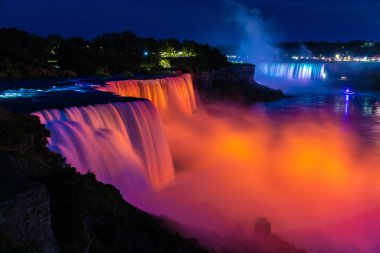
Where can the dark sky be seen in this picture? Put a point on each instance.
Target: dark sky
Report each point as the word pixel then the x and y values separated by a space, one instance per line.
pixel 211 21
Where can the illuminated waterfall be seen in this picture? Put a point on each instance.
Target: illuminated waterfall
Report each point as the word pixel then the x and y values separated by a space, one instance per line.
pixel 123 144
pixel 167 94
pixel 292 71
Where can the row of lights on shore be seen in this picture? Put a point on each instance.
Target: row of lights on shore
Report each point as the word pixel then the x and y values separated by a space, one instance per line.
pixel 339 58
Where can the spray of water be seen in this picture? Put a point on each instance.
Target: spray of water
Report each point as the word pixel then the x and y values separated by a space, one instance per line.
pixel 304 174
pixel 256 43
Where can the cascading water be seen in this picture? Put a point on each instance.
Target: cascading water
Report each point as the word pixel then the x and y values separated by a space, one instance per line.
pixel 303 71
pixel 123 144
pixel 167 94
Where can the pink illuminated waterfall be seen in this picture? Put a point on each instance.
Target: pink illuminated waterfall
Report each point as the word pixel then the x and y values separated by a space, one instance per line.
pixel 123 144
pixel 167 94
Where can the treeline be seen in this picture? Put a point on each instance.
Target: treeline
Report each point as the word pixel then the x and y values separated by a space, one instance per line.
pixel 330 49
pixel 25 56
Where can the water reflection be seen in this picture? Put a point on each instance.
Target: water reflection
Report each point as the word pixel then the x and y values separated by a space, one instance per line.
pixel 359 113
pixel 346 104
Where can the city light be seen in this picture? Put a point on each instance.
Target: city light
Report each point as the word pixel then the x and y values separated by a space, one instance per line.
pixel 338 58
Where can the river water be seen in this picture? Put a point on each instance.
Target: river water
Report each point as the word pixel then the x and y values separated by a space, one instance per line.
pixel 359 113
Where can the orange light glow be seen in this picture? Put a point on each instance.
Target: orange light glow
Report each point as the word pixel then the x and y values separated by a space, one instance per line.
pixel 232 166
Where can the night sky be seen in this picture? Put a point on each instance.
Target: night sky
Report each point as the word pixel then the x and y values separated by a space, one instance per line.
pixel 211 21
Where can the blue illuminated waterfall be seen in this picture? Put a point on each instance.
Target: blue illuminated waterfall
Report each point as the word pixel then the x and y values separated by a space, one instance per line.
pixel 303 71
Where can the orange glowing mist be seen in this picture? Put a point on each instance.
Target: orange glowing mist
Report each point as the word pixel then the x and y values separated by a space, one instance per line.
pixel 305 174
pixel 301 173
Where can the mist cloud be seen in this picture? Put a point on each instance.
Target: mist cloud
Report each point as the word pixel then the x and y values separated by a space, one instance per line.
pixel 256 44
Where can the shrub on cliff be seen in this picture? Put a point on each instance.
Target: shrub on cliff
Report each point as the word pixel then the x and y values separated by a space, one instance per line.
pixel 102 72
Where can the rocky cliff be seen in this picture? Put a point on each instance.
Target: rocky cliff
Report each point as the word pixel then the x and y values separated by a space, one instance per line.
pixel 233 84
pixel 25 219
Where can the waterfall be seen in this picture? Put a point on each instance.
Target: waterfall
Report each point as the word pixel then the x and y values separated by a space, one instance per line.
pixel 293 71
pixel 167 94
pixel 123 144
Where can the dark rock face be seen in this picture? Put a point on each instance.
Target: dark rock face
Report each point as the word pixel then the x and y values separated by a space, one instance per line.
pixel 243 72
pixel 238 73
pixel 262 227
pixel 25 219
pixel 89 216
pixel 233 84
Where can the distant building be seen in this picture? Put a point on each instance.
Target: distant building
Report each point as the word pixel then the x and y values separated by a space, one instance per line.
pixel 262 226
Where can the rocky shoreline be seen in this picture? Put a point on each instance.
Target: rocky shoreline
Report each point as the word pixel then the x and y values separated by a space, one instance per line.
pixel 233 84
